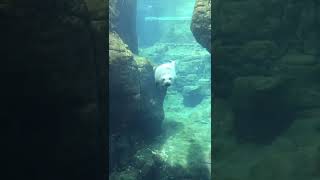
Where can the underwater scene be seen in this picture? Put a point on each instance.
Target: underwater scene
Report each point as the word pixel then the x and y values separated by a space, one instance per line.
pixel 265 87
pixel 159 90
pixel 264 81
pixel 266 90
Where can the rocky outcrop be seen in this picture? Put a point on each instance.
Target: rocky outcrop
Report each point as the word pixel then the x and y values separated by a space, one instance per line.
pixel 135 104
pixel 122 19
pixel 192 95
pixel 261 108
pixel 124 82
pixel 201 23
pixel 151 114
pixel 53 64
pixel 266 92
pixel 133 94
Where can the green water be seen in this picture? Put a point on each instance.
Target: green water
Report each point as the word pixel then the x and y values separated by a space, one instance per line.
pixel 185 141
pixel 195 128
pixel 183 126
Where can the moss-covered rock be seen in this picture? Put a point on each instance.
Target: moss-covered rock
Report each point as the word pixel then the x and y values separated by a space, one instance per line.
pixel 118 50
pixel 123 70
pixel 136 104
pixel 201 23
pixel 122 19
pixel 151 114
pixel 267 69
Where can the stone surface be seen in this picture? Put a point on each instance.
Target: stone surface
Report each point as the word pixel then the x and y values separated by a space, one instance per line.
pixel 122 19
pixel 266 89
pixel 135 104
pixel 152 114
pixel 192 95
pixel 124 82
pixel 261 108
pixel 201 23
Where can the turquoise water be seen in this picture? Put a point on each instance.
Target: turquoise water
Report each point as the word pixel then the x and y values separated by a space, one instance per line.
pixel 185 124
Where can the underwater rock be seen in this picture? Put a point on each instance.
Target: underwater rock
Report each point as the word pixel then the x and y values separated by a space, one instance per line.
pixel 124 99
pixel 151 114
pixel 97 9
pixel 268 73
pixel 134 99
pixel 122 19
pixel 185 79
pixel 201 23
pixel 192 95
pixel 259 51
pixel 51 72
pixel 136 104
pixel 261 107
pixel 123 70
pixel 205 84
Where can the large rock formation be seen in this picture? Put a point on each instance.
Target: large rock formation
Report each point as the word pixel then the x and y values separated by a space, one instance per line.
pixel 136 112
pixel 133 94
pixel 122 19
pixel 52 65
pixel 266 89
pixel 201 23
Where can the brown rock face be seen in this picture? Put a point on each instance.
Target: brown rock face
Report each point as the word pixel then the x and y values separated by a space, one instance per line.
pixel 201 23
pixel 124 84
pixel 136 104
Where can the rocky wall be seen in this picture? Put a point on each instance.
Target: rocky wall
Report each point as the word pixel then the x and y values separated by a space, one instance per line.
pixel 52 65
pixel 136 112
pixel 122 19
pixel 201 23
pixel 266 90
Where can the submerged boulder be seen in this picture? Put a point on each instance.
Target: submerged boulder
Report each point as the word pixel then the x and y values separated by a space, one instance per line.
pixel 124 85
pixel 192 95
pixel 53 52
pixel 122 19
pixel 267 70
pixel 135 103
pixel 261 107
pixel 151 114
pixel 201 23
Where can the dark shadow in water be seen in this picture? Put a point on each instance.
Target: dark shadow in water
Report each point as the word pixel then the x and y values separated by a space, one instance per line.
pixel 123 147
pixel 264 116
pixel 192 100
pixel 193 97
